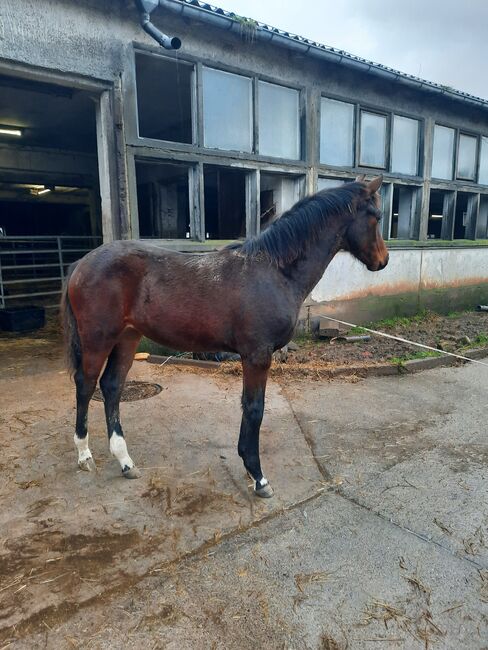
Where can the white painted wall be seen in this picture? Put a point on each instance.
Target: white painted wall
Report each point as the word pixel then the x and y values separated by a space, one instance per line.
pixel 408 270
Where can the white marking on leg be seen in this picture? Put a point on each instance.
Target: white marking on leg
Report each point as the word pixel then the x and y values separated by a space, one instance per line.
pixel 84 453
pixel 118 448
pixel 261 483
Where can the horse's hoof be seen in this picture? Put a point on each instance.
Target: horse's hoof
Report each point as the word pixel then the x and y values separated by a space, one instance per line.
pixel 131 472
pixel 265 492
pixel 87 465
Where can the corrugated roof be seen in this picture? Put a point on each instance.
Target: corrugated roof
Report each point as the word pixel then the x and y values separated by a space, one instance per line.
pixel 312 47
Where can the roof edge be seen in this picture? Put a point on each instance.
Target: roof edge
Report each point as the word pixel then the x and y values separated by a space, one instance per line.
pixel 232 22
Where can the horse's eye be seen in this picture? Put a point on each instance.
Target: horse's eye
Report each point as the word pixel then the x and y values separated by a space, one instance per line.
pixel 374 212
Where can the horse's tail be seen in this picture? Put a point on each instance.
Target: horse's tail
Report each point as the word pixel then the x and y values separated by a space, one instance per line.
pixel 72 344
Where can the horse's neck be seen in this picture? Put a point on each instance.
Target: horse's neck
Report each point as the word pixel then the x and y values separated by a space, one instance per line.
pixel 307 271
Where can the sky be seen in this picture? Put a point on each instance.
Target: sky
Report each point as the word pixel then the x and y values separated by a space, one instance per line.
pixel 445 41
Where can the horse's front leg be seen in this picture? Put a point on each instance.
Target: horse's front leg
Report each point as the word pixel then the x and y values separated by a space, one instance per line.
pixel 255 374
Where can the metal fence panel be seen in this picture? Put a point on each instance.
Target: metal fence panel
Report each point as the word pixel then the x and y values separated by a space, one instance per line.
pixel 32 269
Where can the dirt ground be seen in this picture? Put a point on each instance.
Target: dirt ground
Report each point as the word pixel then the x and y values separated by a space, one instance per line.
pixel 427 328
pixel 454 333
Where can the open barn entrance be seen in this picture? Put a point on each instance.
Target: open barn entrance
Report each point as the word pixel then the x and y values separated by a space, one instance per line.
pixel 49 189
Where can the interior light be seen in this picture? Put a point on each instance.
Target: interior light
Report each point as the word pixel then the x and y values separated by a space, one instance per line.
pixel 43 191
pixel 10 130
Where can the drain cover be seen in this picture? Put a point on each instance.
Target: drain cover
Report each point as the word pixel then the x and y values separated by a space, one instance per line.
pixel 133 391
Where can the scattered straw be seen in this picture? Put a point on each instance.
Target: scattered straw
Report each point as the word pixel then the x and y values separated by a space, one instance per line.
pixel 304 579
pixel 443 527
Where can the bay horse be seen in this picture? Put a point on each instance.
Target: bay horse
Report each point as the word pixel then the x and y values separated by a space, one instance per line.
pixel 244 298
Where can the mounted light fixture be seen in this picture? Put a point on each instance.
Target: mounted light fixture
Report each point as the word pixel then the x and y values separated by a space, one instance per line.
pixel 39 190
pixel 11 130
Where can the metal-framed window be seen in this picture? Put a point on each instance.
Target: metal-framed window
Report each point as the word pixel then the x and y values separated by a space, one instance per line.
pixel 443 152
pixel 337 125
pixel 278 110
pixel 373 139
pixel 483 161
pixel 227 110
pixel 459 155
pixel 359 136
pixel 405 145
pixel 467 154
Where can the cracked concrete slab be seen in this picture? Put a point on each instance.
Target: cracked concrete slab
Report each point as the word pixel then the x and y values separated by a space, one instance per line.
pixel 392 552
pixel 414 449
pixel 68 535
pixel 329 574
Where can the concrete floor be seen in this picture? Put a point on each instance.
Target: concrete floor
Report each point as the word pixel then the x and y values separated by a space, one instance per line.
pixel 377 535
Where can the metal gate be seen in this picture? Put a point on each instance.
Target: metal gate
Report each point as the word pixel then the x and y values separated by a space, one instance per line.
pixel 32 269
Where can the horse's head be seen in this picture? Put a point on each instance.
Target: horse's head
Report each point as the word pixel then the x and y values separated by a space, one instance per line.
pixel 363 237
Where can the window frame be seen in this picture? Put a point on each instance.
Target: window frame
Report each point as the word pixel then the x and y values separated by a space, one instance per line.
pixel 389 114
pixel 354 131
pixel 300 117
pixel 136 135
pixel 454 153
pixel 477 139
pixel 197 148
pixel 482 136
pixel 252 112
pixel 420 145
pixel 363 109
pixel 458 131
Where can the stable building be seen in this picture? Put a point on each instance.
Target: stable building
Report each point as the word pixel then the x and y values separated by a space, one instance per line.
pixel 110 128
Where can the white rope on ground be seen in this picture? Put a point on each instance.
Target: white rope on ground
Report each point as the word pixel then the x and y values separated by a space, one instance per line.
pixel 402 340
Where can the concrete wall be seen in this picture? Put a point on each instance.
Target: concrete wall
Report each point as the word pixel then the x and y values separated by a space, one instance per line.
pixel 443 279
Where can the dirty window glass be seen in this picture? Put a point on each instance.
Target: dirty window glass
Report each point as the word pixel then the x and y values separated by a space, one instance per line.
pixel 336 133
pixel 227 110
pixel 443 152
pixel 466 165
pixel 279 129
pixel 483 177
pixel 404 151
pixel 164 106
pixel 373 140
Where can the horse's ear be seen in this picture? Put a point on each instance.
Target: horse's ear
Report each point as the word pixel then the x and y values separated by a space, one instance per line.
pixel 375 184
pixel 360 178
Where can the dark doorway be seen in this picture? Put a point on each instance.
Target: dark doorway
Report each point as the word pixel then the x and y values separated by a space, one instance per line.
pixel 225 203
pixel 436 214
pixel 461 216
pixel 163 200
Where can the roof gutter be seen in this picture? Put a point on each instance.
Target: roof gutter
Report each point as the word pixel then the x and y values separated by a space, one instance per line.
pixel 145 8
pixel 302 46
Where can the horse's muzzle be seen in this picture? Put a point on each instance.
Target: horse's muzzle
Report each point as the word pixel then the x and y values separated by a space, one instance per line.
pixel 384 263
pixel 379 265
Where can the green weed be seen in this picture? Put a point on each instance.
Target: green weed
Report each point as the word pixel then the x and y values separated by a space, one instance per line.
pixel 420 354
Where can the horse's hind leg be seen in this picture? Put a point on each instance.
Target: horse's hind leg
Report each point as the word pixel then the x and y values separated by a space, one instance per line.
pixel 85 377
pixel 255 374
pixel 112 382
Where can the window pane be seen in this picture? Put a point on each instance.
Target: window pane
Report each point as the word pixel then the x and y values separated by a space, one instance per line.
pixel 328 183
pixel 404 151
pixel 466 165
pixel 227 110
pixel 336 133
pixel 373 140
pixel 443 152
pixel 279 131
pixel 163 98
pixel 483 177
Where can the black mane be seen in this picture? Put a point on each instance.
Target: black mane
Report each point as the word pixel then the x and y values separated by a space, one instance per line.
pixel 289 237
